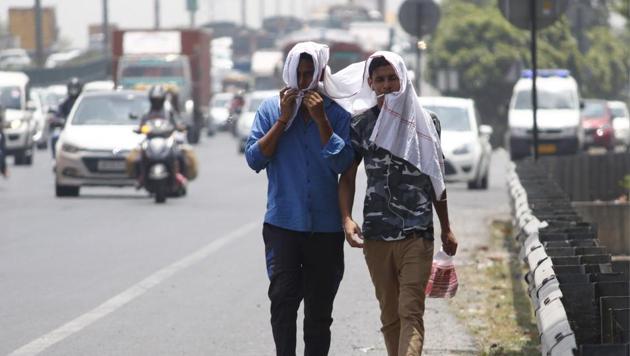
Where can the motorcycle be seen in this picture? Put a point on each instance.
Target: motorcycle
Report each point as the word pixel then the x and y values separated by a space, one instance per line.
pixel 160 169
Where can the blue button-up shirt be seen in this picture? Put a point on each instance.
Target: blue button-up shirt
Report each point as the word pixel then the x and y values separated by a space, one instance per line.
pixel 302 174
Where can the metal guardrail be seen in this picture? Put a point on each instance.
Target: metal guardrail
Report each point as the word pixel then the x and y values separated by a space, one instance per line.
pixel 579 295
pixel 97 69
pixel 589 177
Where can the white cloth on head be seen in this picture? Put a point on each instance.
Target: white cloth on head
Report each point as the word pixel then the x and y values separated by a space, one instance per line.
pixel 403 127
pixel 319 52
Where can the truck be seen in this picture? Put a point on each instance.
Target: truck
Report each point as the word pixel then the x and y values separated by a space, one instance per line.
pixel 179 59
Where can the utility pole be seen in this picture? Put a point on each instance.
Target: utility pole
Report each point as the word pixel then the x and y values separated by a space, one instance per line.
pixel 262 11
pixel 381 7
pixel 39 43
pixel 105 28
pixel 532 10
pixel 244 13
pixel 156 5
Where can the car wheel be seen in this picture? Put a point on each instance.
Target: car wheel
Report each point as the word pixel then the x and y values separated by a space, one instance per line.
pixel 28 159
pixel 192 134
pixel 479 183
pixel 66 191
pixel 484 182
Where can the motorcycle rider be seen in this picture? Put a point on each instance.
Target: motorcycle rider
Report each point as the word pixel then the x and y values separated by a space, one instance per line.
pixel 157 98
pixel 74 87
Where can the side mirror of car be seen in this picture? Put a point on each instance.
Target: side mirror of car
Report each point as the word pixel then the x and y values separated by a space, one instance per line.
pixel 485 130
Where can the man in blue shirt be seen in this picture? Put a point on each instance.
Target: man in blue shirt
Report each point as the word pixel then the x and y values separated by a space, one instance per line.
pixel 301 138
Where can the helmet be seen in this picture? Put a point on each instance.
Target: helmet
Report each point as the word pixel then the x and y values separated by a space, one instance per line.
pixel 74 87
pixel 157 96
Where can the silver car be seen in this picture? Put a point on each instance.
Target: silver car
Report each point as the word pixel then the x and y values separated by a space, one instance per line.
pixel 96 140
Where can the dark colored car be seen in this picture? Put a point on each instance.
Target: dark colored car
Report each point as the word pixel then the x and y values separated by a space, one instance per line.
pixel 597 124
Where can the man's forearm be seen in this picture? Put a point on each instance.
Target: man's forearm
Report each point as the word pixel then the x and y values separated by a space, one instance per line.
pixel 441 209
pixel 325 130
pixel 346 193
pixel 269 141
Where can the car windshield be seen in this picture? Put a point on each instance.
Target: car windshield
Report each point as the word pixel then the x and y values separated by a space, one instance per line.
pixel 220 102
pixel 546 100
pixel 153 69
pixel 593 109
pixel 451 118
pixel 111 110
pixel 11 98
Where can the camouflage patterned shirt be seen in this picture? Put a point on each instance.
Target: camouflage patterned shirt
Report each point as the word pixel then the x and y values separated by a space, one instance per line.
pixel 398 199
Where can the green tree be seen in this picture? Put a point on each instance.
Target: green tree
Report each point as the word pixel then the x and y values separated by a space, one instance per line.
pixel 482 48
pixel 605 72
pixel 487 52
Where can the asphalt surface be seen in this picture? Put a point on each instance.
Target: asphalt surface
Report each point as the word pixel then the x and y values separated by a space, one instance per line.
pixel 113 273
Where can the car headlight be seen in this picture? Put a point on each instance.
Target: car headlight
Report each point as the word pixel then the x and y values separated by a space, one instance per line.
pixel 463 149
pixel 570 131
pixel 66 147
pixel 16 124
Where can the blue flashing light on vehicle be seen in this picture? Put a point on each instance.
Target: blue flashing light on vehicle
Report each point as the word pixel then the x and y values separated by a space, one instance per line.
pixel 546 73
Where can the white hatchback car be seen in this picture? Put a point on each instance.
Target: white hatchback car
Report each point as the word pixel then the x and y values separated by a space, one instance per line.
pixel 465 144
pixel 246 119
pixel 97 137
pixel 219 112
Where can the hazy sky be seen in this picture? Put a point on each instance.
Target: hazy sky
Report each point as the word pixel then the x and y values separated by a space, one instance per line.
pixel 74 16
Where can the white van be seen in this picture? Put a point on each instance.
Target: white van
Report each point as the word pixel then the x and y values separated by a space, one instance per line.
pixel 19 126
pixel 558 116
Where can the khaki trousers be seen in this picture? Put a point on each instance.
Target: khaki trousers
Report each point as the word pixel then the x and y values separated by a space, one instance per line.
pixel 400 272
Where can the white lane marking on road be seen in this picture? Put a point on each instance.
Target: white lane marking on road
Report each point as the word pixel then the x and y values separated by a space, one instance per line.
pixel 42 343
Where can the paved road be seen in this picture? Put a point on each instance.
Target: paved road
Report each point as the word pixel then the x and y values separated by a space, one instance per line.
pixel 112 273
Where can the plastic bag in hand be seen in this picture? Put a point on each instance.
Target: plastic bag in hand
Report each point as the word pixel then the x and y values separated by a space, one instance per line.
pixel 443 279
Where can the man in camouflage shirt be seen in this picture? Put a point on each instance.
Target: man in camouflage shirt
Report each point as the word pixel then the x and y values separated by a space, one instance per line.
pixel 397 235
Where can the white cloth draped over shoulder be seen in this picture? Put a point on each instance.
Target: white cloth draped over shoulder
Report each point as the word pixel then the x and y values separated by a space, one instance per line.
pixel 403 127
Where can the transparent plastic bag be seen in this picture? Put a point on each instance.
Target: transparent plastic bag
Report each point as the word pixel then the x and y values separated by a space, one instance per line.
pixel 443 280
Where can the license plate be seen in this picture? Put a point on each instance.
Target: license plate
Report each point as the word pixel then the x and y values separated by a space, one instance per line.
pixel 547 148
pixel 105 165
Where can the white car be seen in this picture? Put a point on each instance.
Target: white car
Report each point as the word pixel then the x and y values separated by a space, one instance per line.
pixel 61 58
pixel 246 119
pixel 559 120
pixel 97 137
pixel 19 125
pixel 620 122
pixel 465 144
pixel 219 115
pixel 13 58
